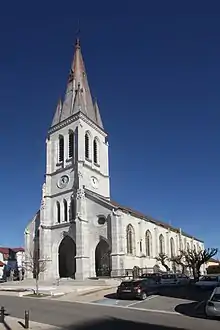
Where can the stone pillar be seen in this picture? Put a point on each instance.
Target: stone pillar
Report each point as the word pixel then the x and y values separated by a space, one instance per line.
pixel 82 238
pixel 118 246
pixel 156 248
pixel 46 255
pixel 180 241
pixel 167 250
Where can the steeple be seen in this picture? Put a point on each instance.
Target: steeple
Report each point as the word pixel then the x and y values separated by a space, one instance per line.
pixel 97 114
pixel 77 96
pixel 57 115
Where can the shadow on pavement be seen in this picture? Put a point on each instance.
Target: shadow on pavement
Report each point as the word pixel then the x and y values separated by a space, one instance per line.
pixel 6 326
pixel 193 309
pixel 111 296
pixel 185 292
pixel 118 324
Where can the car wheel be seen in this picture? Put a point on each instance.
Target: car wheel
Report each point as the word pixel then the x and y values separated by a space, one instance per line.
pixel 143 296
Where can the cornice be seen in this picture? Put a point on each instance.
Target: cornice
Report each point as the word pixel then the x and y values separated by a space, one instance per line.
pixel 58 225
pixel 91 167
pixel 63 123
pixel 62 169
pixel 59 193
pixel 74 117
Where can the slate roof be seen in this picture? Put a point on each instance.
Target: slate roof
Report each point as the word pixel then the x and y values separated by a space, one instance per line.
pixel 77 96
pixel 144 216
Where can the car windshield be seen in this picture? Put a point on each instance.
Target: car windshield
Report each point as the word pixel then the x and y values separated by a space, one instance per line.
pixel 209 278
pixel 216 297
pixel 130 284
pixel 168 276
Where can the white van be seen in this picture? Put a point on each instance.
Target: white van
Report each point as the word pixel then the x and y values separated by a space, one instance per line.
pixel 209 281
pixel 174 279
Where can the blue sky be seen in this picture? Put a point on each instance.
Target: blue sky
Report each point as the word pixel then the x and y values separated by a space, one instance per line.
pixel 155 70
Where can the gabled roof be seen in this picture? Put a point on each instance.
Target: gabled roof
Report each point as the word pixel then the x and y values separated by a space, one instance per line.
pixel 142 216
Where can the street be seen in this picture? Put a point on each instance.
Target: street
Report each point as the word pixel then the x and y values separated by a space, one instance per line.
pixel 173 308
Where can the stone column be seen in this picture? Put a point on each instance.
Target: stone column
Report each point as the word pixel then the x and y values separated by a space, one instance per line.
pixel 82 237
pixel 167 250
pixel 46 254
pixel 156 248
pixel 118 246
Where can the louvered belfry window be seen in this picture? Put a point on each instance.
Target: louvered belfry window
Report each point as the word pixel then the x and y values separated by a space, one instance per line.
pixel 61 148
pixel 95 151
pixel 87 145
pixel 71 144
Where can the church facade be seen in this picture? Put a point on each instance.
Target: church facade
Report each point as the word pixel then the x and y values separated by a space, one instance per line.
pixel 79 232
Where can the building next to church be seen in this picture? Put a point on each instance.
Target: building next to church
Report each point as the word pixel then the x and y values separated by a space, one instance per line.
pixel 79 231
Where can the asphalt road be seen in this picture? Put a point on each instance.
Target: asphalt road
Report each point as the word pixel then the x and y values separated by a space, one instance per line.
pixel 95 316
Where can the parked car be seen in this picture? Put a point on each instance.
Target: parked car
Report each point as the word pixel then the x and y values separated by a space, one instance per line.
pixel 174 279
pixel 155 276
pixel 208 281
pixel 212 307
pixel 137 289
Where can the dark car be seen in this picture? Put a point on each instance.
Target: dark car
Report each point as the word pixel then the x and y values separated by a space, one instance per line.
pixel 137 289
pixel 155 276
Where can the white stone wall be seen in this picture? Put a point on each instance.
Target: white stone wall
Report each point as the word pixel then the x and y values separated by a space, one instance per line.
pixel 20 256
pixel 87 168
pixel 140 227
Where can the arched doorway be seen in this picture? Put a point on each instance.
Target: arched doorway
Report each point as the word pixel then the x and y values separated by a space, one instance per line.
pixel 103 259
pixel 67 261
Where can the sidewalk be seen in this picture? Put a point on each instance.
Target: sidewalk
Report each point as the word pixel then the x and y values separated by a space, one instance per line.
pixel 12 323
pixel 54 291
pixel 88 296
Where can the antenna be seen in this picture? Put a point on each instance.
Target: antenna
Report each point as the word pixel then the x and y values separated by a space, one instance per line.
pixel 78 30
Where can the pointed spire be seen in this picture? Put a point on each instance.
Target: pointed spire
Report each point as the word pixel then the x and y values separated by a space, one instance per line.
pixel 97 114
pixel 78 87
pixel 57 115
pixel 78 104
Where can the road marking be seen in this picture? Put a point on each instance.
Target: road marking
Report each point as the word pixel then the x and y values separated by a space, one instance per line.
pixel 199 304
pixel 132 308
pixel 138 302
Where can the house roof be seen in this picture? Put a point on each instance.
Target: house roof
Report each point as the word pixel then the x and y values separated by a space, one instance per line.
pixel 143 216
pixel 5 250
pixel 214 260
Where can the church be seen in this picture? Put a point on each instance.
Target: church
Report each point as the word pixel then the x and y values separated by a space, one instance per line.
pixel 79 231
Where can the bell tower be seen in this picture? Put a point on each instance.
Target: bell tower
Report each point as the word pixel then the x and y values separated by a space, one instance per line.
pixel 76 160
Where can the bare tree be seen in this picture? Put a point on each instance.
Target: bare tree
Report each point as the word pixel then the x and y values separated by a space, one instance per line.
pixel 36 266
pixel 180 261
pixel 196 259
pixel 163 258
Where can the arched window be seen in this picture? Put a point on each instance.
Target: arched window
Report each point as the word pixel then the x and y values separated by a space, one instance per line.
pixel 187 246
pixel 61 148
pixel 148 243
pixel 161 244
pixel 73 208
pixel 87 146
pixel 172 247
pixel 58 212
pixel 71 144
pixel 95 151
pixel 130 239
pixel 65 210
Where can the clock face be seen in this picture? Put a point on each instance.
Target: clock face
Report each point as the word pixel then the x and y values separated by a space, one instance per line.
pixel 63 181
pixel 94 182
